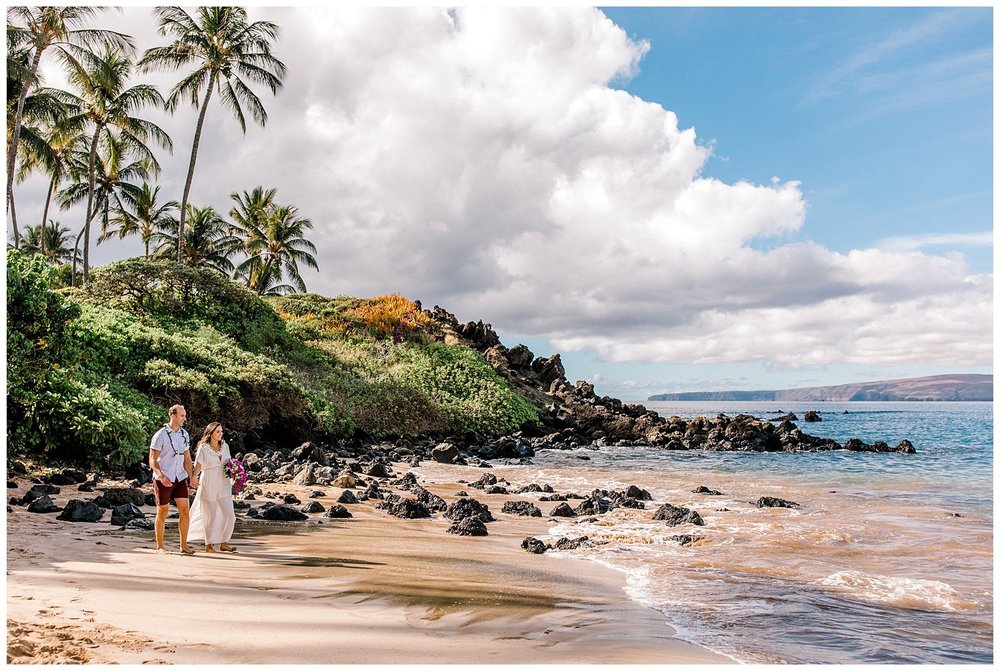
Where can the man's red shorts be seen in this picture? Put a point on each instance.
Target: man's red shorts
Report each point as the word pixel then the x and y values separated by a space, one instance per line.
pixel 164 495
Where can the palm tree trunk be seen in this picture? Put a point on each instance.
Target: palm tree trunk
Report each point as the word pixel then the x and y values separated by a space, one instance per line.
pixel 194 157
pixel 76 252
pixel 15 138
pixel 90 203
pixel 45 213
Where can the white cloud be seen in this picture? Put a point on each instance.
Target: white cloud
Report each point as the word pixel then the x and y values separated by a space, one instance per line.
pixel 481 159
pixel 915 242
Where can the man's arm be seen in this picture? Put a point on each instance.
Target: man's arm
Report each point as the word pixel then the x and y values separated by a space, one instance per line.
pixel 189 468
pixel 154 456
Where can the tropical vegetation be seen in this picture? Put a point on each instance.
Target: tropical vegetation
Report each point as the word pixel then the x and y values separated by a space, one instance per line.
pixel 93 368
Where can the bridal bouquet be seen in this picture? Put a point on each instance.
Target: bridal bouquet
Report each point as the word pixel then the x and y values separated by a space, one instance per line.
pixel 236 473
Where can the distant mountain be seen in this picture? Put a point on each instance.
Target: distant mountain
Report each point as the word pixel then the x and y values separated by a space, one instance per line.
pixel 931 388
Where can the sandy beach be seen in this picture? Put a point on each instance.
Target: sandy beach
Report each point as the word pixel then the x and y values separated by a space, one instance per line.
pixel 372 589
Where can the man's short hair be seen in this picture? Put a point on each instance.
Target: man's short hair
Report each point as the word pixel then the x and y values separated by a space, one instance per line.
pixel 174 409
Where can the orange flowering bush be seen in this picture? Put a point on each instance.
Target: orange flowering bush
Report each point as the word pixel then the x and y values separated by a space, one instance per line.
pixel 387 316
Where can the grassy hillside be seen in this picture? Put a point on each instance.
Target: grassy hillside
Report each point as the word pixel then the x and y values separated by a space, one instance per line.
pixel 91 371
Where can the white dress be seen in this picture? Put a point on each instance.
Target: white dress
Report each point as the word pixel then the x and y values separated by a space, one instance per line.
pixel 212 514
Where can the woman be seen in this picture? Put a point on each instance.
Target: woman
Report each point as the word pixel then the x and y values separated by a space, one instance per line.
pixel 212 514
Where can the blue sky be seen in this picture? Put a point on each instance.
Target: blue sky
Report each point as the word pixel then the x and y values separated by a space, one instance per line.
pixel 675 199
pixel 883 114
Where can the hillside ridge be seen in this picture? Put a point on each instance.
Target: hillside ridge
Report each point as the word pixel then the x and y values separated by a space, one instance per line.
pixel 953 387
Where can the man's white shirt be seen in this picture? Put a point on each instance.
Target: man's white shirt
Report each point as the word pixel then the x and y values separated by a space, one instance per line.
pixel 172 445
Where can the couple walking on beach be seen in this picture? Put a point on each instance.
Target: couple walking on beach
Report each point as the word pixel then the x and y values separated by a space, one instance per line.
pixel 211 517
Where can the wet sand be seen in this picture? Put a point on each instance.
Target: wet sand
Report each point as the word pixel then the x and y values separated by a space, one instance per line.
pixel 373 589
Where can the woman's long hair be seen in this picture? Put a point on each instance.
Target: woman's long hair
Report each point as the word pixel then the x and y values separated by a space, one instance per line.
pixel 207 433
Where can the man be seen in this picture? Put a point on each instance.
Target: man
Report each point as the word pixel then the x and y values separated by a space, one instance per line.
pixel 173 473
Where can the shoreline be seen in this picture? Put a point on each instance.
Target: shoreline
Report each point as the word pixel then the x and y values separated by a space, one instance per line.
pixel 323 593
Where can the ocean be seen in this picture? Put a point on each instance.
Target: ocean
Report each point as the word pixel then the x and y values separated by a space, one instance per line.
pixel 888 559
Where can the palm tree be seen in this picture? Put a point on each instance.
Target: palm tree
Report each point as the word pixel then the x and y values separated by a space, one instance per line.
pixel 111 179
pixel 49 149
pixel 273 237
pixel 207 242
pixel 143 214
pixel 43 27
pixel 52 241
pixel 226 49
pixel 100 78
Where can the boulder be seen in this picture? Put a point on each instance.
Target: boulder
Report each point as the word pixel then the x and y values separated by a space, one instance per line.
pixel 377 470
pixel 43 504
pixel 345 479
pixel 638 493
pixel 406 482
pixel 674 515
pixel 307 476
pixel 811 416
pixel 409 509
pixel 313 507
pixel 468 507
pixel 905 447
pixel 316 494
pixel 594 505
pixel 686 539
pixel 283 513
pixel 347 497
pixel 338 512
pixel 77 510
pixel 570 543
pixel 562 510
pixel 485 480
pixel 523 508
pixel 120 515
pixel 290 499
pixel 429 499
pixel 445 453
pixel 701 489
pixel 140 524
pixel 42 489
pixel 67 476
pixel 116 496
pixel 468 526
pixel 533 545
pixel 774 502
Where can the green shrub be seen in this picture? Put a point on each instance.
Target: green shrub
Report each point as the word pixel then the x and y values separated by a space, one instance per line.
pixel 176 295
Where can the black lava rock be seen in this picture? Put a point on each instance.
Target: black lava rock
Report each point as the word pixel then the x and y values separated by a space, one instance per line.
pixel 43 504
pixel 469 526
pixel 702 489
pixel 638 493
pixel 347 497
pixel 569 543
pixel 338 512
pixel 283 513
pixel 120 515
pixel 774 502
pixel 116 496
pixel 533 545
pixel 409 509
pixel 524 508
pixel 463 508
pixel 562 510
pixel 674 515
pixel 290 499
pixel 313 507
pixel 594 505
pixel 77 510
pixel 140 524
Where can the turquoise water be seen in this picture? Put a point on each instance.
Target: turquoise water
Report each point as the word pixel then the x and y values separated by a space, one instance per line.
pixel 889 559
